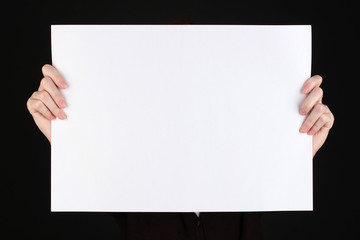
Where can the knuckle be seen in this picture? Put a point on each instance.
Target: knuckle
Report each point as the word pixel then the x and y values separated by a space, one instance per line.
pixel 44 82
pixel 46 68
pixel 318 78
pixel 43 96
pixel 324 118
pixel 37 104
pixel 320 107
pixel 34 94
pixel 326 108
pixel 332 121
pixel 28 103
pixel 320 91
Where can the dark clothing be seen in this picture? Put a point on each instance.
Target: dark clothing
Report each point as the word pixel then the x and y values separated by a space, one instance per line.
pixel 187 226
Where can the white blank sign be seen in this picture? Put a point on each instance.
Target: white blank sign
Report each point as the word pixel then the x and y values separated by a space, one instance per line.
pixel 181 118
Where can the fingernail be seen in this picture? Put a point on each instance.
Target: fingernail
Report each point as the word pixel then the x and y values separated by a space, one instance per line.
pixel 64 85
pixel 303 129
pixel 62 104
pixel 62 115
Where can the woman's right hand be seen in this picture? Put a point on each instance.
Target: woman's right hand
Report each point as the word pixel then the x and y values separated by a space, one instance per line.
pixel 47 103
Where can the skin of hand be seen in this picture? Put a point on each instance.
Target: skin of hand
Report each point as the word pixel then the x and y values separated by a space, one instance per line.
pixel 47 103
pixel 319 119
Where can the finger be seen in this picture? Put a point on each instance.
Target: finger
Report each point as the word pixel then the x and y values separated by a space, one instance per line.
pixel 311 83
pixel 49 86
pixel 50 71
pixel 314 97
pixel 37 106
pixel 45 98
pixel 323 120
pixel 314 115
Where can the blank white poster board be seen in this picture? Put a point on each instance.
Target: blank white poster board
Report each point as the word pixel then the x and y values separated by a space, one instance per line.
pixel 181 118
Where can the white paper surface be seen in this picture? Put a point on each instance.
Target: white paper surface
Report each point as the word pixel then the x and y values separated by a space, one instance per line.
pixel 181 118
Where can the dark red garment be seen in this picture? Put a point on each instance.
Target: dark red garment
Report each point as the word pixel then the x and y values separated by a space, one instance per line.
pixel 187 226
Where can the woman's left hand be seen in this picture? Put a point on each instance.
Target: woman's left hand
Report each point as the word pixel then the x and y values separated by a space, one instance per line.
pixel 319 118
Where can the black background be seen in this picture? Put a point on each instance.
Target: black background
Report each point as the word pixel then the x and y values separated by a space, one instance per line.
pixel 26 152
